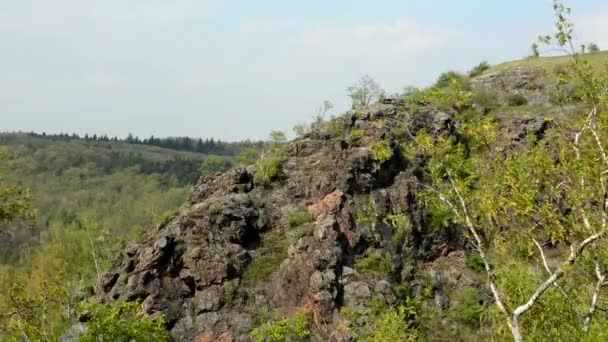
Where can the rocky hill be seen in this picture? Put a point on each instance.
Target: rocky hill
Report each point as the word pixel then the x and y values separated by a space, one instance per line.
pixel 338 234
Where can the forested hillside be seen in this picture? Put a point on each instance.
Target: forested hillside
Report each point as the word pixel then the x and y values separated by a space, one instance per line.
pixel 88 197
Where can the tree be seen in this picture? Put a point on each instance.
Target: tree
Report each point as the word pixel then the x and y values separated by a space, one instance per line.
pixel 14 200
pixel 121 321
pixel 535 51
pixel 212 165
pixel 593 48
pixel 301 129
pixel 519 202
pixel 479 69
pixel 277 138
pixel 364 92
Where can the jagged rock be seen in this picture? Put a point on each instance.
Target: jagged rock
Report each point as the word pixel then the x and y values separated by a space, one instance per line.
pixel 190 267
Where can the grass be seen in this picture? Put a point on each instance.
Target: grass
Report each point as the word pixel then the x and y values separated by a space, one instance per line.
pixel 597 59
pixel 268 257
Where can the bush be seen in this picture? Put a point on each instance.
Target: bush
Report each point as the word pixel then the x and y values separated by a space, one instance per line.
pixel 485 99
pixel 296 329
pixel 382 151
pixel 375 265
pixel 268 258
pixel 517 100
pixel 449 78
pixel 267 170
pixel 474 262
pixel 299 218
pixel 479 69
pixel 121 321
pixel 392 325
pixel 593 48
pixel 468 306
pixel 355 135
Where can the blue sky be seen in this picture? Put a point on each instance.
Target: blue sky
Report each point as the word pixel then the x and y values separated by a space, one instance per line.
pixel 237 69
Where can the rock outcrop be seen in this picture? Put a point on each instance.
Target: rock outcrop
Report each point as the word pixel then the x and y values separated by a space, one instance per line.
pixel 233 258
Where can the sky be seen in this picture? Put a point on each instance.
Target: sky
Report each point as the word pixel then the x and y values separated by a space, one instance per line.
pixel 238 69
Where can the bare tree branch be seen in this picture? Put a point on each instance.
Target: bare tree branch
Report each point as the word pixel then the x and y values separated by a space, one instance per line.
pixel 556 275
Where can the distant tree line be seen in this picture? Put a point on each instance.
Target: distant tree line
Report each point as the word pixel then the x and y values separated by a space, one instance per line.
pixel 206 146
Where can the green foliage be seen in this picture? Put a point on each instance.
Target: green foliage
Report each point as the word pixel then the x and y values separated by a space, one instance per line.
pixel 335 128
pixel 296 329
pixel 268 257
pixel 299 218
pixel 15 201
pixel 85 213
pixel 392 325
pixel 593 48
pixel 356 135
pixel 414 97
pixel 401 226
pixel 121 321
pixel 382 151
pixel 277 138
pixel 212 165
pixel 535 52
pixel 517 100
pixel 479 69
pixel 248 156
pixel 450 93
pixel 485 99
pixel 301 129
pixel 451 78
pixel 468 306
pixel 474 262
pixel 267 170
pixel 375 264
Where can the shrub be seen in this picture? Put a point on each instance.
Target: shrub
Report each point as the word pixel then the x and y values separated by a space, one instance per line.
pixel 375 265
pixel 593 48
pixel 382 151
pixel 268 257
pixel 468 306
pixel 479 69
pixel 296 329
pixel 121 321
pixel 474 262
pixel 335 128
pixel 248 156
pixel 517 100
pixel 485 99
pixel 449 78
pixel 392 325
pixel 299 218
pixel 267 170
pixel 355 135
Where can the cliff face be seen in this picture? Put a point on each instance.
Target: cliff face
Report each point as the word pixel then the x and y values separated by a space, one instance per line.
pixel 340 227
